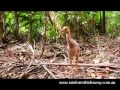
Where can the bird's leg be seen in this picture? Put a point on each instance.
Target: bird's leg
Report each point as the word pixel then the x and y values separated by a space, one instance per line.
pixel 70 59
pixel 77 56
pixel 77 59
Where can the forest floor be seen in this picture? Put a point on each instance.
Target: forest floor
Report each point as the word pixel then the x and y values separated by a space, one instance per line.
pixel 17 61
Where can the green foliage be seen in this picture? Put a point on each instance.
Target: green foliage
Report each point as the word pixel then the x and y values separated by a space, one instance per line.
pixel 113 23
pixel 69 18
pixel 24 22
pixel 60 18
pixel 51 33
pixel 38 21
pixel 9 20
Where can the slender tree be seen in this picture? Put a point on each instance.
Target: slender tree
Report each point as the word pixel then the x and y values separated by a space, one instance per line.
pixel 30 27
pixel 1 24
pixel 44 36
pixel 16 23
pixel 103 22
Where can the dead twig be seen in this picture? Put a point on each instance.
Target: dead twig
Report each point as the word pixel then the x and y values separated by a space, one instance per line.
pixel 39 66
pixel 26 71
pixel 49 71
pixel 65 58
pixel 32 50
pixel 54 54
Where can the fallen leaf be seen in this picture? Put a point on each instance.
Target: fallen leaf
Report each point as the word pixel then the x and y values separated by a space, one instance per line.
pixel 93 75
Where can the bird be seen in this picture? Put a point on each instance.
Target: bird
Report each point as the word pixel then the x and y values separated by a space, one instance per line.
pixel 73 49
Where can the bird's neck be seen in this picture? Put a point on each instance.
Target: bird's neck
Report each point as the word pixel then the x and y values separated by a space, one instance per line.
pixel 68 38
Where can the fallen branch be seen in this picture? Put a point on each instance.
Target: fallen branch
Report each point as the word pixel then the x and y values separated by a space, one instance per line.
pixel 46 75
pixel 88 65
pixel 48 71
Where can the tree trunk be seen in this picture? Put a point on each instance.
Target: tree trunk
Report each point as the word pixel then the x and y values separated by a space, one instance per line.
pixel 1 24
pixel 16 23
pixel 30 28
pixel 54 22
pixel 103 22
pixel 100 23
pixel 44 36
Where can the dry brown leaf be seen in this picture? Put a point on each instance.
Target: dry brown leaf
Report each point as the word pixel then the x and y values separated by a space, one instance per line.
pixel 93 75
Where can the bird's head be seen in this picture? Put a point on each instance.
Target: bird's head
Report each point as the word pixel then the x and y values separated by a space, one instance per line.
pixel 65 29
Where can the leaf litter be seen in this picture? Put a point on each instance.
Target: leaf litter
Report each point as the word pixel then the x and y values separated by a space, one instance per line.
pixel 15 59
